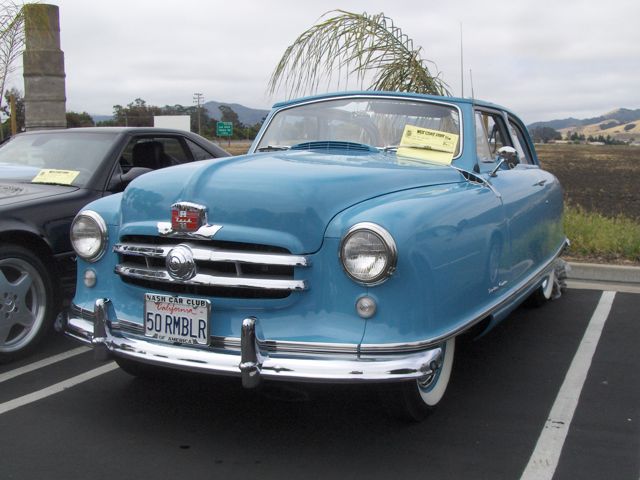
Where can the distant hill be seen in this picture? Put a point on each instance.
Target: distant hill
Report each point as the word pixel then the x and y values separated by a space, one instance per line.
pixel 621 124
pixel 246 115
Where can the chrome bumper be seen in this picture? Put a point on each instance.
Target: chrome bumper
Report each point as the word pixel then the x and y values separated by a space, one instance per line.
pixel 251 363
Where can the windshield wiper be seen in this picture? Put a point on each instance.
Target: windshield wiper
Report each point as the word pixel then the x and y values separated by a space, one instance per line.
pixel 273 148
pixel 389 148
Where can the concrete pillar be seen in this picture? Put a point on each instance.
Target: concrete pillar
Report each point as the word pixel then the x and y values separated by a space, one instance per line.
pixel 43 63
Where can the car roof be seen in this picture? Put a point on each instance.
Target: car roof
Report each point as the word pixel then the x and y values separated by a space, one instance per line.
pixel 111 130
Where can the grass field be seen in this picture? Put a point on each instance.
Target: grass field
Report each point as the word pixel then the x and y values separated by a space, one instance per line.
pixel 602 201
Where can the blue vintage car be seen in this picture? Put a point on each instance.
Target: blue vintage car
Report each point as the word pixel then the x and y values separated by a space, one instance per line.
pixel 359 237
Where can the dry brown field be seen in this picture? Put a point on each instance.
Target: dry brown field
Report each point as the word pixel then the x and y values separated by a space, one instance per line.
pixel 603 179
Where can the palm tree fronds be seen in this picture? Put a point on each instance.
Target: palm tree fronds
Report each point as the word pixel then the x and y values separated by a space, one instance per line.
pixel 344 45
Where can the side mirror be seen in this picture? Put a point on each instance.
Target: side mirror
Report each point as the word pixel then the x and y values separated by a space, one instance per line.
pixel 119 182
pixel 508 155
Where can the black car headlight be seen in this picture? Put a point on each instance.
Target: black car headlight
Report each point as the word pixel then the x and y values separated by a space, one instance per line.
pixel 368 253
pixel 89 235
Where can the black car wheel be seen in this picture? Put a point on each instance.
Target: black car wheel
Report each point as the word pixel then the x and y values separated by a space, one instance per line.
pixel 26 301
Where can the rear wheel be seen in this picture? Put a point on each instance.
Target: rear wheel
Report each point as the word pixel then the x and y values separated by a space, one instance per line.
pixel 414 400
pixel 26 301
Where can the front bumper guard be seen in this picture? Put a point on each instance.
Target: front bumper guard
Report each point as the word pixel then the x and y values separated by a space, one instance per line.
pixel 252 364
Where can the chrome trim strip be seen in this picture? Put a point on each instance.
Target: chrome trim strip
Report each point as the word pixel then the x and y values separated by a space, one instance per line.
pixel 161 275
pixel 213 255
pixel 521 288
pixel 319 368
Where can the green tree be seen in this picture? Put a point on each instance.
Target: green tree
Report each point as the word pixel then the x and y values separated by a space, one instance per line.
pixel 345 44
pixel 75 119
pixel 19 103
pixel 135 114
pixel 545 134
pixel 229 115
pixel 11 39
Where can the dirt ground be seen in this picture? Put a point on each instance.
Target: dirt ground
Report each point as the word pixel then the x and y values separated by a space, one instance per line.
pixel 605 179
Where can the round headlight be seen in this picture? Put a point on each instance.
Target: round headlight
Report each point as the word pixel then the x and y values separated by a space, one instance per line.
pixel 89 235
pixel 368 253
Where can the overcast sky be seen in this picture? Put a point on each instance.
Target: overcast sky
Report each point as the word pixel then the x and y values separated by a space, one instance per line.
pixel 544 59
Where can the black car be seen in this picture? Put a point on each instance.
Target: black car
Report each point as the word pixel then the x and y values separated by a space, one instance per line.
pixel 46 177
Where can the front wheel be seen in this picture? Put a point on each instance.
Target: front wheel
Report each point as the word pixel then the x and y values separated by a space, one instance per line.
pixel 414 400
pixel 543 293
pixel 26 301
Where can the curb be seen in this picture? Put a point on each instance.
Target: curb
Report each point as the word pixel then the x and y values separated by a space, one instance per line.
pixel 593 272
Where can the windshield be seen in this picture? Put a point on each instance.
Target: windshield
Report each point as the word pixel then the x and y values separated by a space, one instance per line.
pixel 378 122
pixel 68 158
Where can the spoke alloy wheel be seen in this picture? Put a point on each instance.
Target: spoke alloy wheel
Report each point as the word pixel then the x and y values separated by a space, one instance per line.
pixel 22 304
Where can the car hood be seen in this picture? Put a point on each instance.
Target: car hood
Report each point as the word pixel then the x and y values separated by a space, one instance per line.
pixel 282 198
pixel 13 192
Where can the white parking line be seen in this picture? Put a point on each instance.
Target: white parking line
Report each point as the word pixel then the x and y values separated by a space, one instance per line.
pixel 57 388
pixel 544 460
pixel 42 363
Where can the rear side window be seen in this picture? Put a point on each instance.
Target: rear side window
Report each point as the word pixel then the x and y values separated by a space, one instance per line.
pixel 490 137
pixel 520 143
pixel 197 151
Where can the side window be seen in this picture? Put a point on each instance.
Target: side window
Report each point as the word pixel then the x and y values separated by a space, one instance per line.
pixel 482 140
pixel 197 151
pixel 520 143
pixel 153 153
pixel 490 137
pixel 174 149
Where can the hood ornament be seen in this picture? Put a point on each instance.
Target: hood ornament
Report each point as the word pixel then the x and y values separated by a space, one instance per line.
pixel 187 217
pixel 188 220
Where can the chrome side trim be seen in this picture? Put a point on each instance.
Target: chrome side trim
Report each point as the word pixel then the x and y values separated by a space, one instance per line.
pixel 213 255
pixel 161 275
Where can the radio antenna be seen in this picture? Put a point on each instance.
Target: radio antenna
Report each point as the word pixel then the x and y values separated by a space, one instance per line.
pixel 473 95
pixel 461 65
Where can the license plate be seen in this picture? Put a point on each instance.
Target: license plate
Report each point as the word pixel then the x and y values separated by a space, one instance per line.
pixel 175 319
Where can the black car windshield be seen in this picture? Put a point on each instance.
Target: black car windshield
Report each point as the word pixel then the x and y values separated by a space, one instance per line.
pixel 55 157
pixel 376 121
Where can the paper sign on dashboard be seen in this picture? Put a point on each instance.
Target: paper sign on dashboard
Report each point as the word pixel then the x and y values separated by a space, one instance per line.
pixel 51 175
pixel 428 145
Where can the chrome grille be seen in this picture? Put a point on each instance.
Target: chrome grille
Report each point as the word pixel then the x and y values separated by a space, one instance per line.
pixel 222 269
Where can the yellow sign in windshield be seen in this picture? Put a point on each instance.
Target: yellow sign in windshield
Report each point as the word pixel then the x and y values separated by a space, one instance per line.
pixel 60 177
pixel 428 145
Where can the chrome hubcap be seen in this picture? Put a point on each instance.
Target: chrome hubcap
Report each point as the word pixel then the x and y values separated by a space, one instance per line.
pixel 22 303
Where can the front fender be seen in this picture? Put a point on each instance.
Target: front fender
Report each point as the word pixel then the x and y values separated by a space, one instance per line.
pixel 443 235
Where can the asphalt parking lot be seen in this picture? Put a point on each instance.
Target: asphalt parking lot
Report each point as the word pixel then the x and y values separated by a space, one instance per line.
pixel 551 393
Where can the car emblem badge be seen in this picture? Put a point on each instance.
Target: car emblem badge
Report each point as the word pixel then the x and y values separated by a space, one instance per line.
pixel 187 217
pixel 180 263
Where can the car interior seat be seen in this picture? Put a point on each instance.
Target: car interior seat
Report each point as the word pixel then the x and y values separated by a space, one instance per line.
pixel 148 155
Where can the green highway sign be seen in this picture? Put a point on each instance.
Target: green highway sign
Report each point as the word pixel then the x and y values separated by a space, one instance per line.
pixel 224 129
